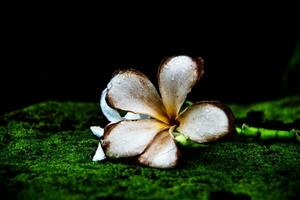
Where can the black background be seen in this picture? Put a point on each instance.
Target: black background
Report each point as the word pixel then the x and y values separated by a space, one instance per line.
pixel 73 60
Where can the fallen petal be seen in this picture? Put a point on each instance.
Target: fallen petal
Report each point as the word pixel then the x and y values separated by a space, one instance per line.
pixel 111 114
pixel 99 155
pixel 161 153
pixel 130 138
pixel 206 121
pixel 97 131
pixel 177 75
pixel 132 91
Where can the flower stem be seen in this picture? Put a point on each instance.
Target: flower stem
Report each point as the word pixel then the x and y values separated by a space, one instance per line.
pixel 186 142
pixel 267 134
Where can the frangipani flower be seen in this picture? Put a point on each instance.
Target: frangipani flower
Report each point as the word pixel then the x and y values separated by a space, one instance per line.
pixel 147 130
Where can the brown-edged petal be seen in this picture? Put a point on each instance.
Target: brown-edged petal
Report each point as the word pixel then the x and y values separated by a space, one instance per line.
pixel 131 90
pixel 206 121
pixel 177 75
pixel 131 137
pixel 161 153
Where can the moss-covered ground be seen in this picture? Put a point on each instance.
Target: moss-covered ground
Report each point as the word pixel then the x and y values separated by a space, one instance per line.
pixel 46 152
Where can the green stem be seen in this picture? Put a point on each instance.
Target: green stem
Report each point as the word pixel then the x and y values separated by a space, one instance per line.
pixel 245 131
pixel 267 134
pixel 186 142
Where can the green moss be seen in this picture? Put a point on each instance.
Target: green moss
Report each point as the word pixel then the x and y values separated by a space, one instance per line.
pixel 46 152
pixel 286 110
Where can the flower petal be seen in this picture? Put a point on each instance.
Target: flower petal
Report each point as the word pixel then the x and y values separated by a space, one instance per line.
pixel 97 131
pixel 99 155
pixel 206 121
pixel 131 116
pixel 161 153
pixel 132 91
pixel 177 75
pixel 130 138
pixel 111 114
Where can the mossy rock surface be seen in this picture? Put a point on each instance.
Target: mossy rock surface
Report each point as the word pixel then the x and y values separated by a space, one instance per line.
pixel 46 152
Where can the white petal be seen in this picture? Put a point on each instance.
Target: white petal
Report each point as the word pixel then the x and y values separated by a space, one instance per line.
pixel 206 121
pixel 177 75
pixel 97 130
pixel 131 90
pixel 161 153
pixel 111 114
pixel 131 137
pixel 131 116
pixel 99 155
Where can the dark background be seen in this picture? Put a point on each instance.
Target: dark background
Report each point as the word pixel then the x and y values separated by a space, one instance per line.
pixel 245 60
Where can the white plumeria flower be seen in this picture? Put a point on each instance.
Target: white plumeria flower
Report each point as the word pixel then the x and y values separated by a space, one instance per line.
pixel 147 130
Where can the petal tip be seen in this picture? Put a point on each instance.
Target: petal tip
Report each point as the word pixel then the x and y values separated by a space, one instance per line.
pixel 97 131
pixel 99 155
